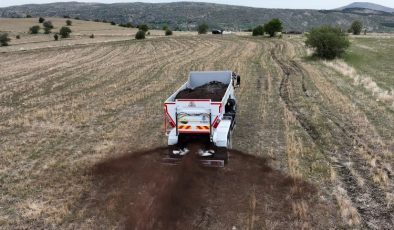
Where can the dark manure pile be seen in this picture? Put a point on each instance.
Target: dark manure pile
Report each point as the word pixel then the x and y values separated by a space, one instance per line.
pixel 214 90
pixel 137 191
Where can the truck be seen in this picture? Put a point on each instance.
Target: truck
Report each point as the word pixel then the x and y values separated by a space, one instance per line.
pixel 202 112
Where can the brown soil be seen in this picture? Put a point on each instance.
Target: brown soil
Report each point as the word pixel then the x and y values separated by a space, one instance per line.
pixel 213 90
pixel 139 191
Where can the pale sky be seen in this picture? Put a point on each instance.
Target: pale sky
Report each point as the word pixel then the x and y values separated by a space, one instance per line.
pixel 292 4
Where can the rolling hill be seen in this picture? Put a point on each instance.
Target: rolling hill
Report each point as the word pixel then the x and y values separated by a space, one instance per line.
pixel 368 5
pixel 187 15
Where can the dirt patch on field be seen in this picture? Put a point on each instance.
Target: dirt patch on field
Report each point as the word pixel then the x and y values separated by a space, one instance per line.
pixel 141 193
pixel 213 90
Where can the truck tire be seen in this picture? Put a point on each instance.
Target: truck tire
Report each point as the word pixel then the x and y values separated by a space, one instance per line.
pixel 170 152
pixel 221 154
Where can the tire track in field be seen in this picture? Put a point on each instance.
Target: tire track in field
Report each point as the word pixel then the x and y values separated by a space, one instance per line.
pixel 369 198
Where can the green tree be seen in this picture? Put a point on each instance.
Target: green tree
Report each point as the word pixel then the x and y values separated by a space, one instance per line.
pixel 143 27
pixel 69 23
pixel 165 27
pixel 47 30
pixel 356 27
pixel 4 39
pixel 41 20
pixel 65 32
pixel 48 26
pixel 34 29
pixel 259 30
pixel 140 35
pixel 273 26
pixel 329 42
pixel 168 32
pixel 202 28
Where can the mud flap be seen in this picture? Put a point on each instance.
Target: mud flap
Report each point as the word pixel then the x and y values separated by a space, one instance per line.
pixel 214 163
pixel 171 161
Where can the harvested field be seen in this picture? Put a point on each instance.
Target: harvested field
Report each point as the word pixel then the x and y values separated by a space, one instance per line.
pixel 81 136
pixel 213 90
pixel 81 32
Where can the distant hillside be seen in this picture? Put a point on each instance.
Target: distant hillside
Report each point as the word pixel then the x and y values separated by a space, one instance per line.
pixel 187 15
pixel 368 5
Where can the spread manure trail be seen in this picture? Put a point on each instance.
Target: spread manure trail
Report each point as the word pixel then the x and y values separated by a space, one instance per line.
pixel 139 191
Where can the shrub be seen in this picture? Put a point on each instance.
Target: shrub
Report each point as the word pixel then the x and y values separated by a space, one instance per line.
pixel 259 30
pixel 356 27
pixel 66 16
pixel 202 28
pixel 4 39
pixel 34 29
pixel 113 23
pixel 165 28
pixel 18 36
pixel 65 32
pixel 69 23
pixel 140 35
pixel 91 36
pixel 143 27
pixel 28 16
pixel 56 37
pixel 127 25
pixel 47 30
pixel 329 42
pixel 168 32
pixel 273 26
pixel 77 18
pixel 41 20
pixel 48 26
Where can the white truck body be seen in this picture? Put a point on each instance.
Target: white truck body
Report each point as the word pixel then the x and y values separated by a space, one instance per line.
pixel 201 116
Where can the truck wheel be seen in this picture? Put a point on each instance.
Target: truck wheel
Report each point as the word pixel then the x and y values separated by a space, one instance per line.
pixel 222 154
pixel 171 148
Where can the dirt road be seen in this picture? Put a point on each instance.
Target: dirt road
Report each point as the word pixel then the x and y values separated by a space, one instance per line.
pixel 65 110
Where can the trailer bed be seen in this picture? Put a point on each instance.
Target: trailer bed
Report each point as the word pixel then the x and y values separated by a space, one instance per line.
pixel 213 90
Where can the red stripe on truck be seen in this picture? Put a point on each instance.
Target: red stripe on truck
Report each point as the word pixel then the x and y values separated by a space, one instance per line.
pixel 196 132
pixel 172 123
